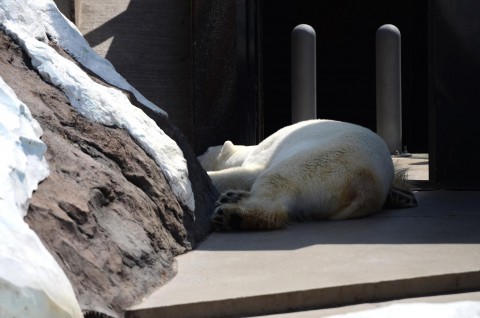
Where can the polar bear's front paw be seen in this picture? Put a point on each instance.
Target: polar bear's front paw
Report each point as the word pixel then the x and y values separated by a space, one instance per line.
pixel 226 218
pixel 232 196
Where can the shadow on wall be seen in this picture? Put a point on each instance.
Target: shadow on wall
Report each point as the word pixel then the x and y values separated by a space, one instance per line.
pixel 151 47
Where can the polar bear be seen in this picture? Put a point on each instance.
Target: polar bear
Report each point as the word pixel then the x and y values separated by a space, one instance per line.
pixel 316 169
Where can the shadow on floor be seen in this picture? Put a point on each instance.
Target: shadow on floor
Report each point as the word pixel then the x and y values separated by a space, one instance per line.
pixel 442 217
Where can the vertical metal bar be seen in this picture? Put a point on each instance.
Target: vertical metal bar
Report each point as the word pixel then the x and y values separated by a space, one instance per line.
pixel 389 86
pixel 304 73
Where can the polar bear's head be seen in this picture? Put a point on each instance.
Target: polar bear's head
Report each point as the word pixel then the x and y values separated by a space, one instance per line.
pixel 224 157
pixel 217 157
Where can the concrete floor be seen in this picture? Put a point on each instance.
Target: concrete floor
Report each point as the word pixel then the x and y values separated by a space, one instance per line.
pixel 417 166
pixel 428 250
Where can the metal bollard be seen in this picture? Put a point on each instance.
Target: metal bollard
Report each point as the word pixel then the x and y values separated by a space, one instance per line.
pixel 304 73
pixel 389 86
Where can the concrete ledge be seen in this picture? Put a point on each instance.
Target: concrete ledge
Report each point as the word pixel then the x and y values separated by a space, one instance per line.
pixel 432 249
pixel 317 298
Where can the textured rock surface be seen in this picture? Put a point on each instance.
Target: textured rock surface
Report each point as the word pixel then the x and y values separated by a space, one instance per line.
pixel 106 212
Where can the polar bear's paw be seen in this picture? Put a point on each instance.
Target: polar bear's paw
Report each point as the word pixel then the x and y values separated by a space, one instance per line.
pixel 232 196
pixel 247 214
pixel 227 217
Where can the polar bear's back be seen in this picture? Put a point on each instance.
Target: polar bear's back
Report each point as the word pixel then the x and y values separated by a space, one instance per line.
pixel 319 135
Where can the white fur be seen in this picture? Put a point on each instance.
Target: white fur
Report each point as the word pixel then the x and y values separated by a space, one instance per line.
pixel 312 169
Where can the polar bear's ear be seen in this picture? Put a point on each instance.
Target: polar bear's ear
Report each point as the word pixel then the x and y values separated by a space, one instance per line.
pixel 228 149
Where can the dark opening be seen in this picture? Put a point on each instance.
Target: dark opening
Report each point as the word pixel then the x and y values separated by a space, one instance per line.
pixel 346 61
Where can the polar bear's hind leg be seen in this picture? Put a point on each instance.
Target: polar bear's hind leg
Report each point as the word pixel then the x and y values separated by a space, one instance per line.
pixel 361 196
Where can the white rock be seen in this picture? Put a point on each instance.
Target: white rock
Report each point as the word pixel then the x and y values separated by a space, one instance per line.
pixel 96 102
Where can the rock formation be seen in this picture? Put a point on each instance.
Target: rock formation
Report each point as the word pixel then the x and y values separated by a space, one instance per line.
pixel 106 212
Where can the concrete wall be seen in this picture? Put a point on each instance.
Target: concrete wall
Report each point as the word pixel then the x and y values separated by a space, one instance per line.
pixel 69 8
pixel 225 83
pixel 150 43
pixel 183 56
pixel 217 117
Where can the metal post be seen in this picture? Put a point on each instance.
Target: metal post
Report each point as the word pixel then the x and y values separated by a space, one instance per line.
pixel 389 86
pixel 304 73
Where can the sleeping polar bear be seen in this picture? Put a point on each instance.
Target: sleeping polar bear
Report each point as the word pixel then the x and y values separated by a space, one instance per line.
pixel 317 169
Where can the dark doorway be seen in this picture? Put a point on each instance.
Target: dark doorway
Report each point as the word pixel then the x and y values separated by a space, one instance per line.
pixel 346 61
